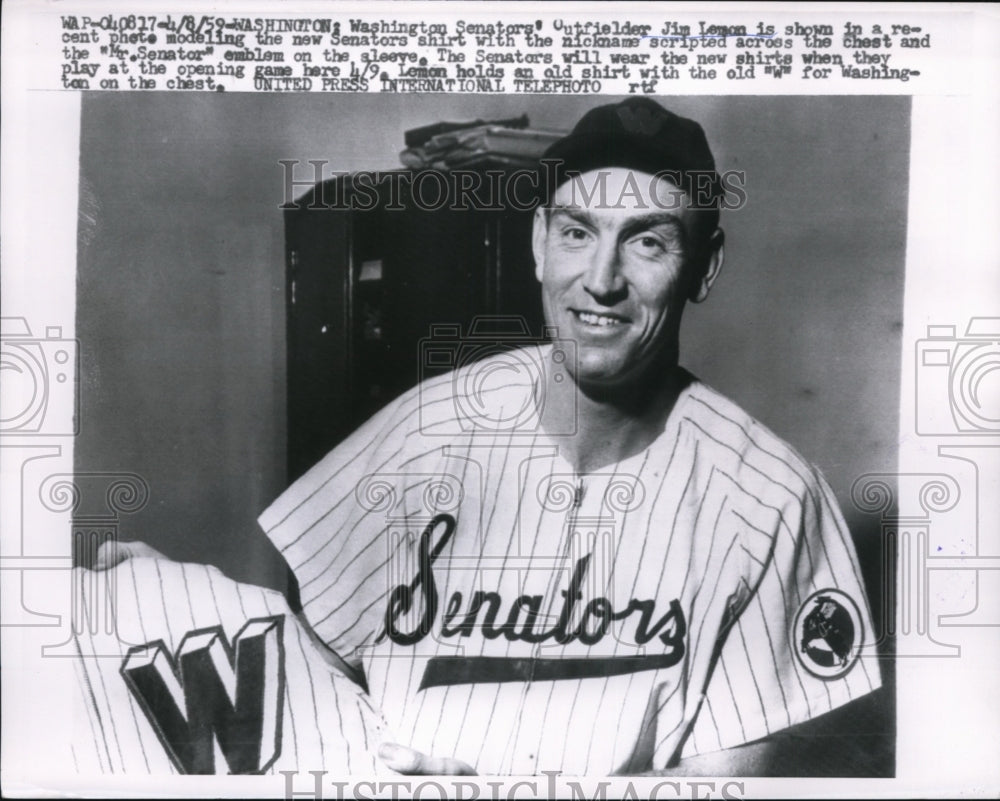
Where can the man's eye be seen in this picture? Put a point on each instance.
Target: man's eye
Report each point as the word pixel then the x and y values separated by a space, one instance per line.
pixel 575 235
pixel 649 245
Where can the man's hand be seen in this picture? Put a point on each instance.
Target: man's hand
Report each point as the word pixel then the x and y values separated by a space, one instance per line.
pixel 113 552
pixel 412 763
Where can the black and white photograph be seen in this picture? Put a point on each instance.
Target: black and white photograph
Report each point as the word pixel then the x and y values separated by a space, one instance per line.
pixel 593 440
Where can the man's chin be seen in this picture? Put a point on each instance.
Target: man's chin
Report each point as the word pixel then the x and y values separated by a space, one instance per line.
pixel 611 381
pixel 606 383
pixel 597 373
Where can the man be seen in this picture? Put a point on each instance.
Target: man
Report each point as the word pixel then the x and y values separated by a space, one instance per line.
pixel 605 566
pixel 576 556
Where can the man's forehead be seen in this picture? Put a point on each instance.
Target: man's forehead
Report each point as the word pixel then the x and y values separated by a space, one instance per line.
pixel 615 191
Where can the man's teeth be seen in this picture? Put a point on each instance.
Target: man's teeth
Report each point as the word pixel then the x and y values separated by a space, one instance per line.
pixel 597 319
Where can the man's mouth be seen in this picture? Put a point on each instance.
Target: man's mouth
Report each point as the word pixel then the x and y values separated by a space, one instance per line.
pixel 597 319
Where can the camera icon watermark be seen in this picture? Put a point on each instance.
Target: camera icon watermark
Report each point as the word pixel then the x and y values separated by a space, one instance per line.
pixel 494 379
pixel 958 380
pixel 39 374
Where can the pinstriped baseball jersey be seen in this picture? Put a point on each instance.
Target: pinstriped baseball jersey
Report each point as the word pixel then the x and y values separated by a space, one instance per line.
pixel 521 617
pixel 202 674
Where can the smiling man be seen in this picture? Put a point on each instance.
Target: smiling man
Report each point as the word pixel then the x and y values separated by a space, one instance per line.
pixel 615 280
pixel 576 556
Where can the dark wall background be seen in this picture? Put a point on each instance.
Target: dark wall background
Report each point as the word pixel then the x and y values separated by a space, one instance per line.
pixel 181 307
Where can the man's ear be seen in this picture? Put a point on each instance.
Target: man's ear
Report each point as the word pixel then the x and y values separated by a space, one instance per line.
pixel 714 257
pixel 539 232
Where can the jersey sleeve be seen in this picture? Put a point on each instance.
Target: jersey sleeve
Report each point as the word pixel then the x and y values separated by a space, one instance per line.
pixel 330 526
pixel 801 644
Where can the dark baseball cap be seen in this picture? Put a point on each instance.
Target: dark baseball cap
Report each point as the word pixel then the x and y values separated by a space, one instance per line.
pixel 640 134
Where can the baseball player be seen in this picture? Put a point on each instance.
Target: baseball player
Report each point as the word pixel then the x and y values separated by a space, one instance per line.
pixel 576 556
pixel 187 671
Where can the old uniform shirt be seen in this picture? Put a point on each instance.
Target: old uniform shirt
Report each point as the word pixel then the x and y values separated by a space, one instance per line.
pixel 183 670
pixel 520 617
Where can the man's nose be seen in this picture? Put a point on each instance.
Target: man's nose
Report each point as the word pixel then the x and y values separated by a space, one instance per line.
pixel 604 280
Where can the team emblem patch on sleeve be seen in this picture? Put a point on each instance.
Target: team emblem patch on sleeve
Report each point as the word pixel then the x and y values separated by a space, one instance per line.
pixel 828 633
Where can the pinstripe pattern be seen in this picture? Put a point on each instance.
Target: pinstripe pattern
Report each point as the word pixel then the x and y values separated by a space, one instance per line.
pixel 730 522
pixel 327 722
